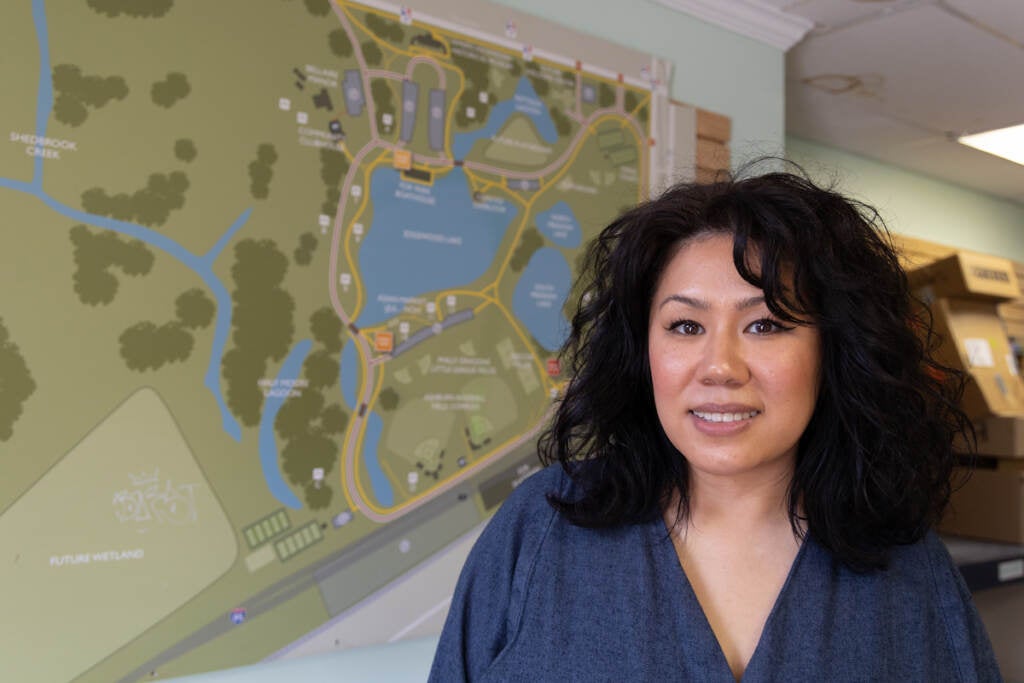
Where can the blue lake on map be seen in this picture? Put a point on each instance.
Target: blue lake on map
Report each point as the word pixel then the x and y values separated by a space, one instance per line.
pixel 425 238
pixel 560 226
pixel 540 294
pixel 525 101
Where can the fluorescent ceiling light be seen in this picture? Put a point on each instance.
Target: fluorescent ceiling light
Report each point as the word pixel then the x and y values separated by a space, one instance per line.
pixel 1007 143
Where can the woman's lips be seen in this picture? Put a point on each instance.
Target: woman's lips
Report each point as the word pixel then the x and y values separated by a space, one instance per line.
pixel 724 416
pixel 723 420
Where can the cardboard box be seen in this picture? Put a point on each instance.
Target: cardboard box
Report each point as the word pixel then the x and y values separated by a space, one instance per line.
pixel 967 275
pixel 1000 436
pixel 990 505
pixel 974 340
pixel 1012 314
pixel 713 126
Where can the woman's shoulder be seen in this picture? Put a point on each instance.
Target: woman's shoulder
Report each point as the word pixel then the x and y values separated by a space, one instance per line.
pixel 519 531
pixel 915 614
pixel 927 560
pixel 539 481
pixel 960 623
pixel 919 579
pixel 921 570
pixel 527 505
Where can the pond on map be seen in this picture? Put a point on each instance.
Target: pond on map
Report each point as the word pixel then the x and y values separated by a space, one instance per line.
pixel 540 295
pixel 559 224
pixel 526 102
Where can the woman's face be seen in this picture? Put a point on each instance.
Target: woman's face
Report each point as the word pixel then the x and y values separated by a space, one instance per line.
pixel 734 387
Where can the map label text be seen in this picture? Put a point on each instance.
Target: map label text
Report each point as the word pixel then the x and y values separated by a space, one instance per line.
pixel 69 560
pixel 47 148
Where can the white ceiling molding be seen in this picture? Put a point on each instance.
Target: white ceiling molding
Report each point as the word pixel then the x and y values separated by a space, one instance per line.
pixel 752 18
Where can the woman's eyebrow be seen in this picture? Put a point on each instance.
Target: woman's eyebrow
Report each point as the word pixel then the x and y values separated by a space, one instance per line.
pixel 751 302
pixel 688 300
pixel 701 304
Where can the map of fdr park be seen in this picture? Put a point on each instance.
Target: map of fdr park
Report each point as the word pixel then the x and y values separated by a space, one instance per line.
pixel 283 289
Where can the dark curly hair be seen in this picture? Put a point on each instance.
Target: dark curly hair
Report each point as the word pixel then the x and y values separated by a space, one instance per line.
pixel 873 465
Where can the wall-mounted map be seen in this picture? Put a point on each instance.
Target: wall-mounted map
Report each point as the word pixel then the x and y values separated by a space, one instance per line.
pixel 283 288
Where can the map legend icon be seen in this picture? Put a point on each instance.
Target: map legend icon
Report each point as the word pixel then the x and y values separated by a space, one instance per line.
pixel 384 342
pixel 403 159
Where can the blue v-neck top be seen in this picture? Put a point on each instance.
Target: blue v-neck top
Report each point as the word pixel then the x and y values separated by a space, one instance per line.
pixel 540 599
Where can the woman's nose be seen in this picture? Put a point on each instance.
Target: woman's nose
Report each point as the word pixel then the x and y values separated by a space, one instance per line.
pixel 723 361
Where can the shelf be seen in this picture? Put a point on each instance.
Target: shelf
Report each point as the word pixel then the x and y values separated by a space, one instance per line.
pixel 985 564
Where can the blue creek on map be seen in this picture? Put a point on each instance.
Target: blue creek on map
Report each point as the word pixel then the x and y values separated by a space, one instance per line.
pixel 203 266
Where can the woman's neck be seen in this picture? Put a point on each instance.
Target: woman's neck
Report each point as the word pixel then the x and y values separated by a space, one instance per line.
pixel 734 504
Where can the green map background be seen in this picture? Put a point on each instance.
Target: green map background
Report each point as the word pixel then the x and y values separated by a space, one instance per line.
pixel 179 485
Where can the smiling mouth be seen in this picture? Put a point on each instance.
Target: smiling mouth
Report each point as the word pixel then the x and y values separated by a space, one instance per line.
pixel 724 417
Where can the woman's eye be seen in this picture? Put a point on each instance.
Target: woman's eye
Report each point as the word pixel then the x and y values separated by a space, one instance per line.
pixel 764 326
pixel 687 327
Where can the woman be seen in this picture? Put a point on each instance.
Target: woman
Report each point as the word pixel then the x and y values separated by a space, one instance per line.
pixel 754 446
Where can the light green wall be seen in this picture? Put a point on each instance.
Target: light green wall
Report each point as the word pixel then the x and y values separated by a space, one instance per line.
pixel 713 68
pixel 917 205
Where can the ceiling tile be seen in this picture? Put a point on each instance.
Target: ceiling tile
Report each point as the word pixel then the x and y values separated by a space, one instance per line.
pixel 923 65
pixel 856 125
pixel 888 85
pixel 1002 16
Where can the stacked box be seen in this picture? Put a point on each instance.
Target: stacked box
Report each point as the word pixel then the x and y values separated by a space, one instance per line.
pixel 964 292
pixel 990 503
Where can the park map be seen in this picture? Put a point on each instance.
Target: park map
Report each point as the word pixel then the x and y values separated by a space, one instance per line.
pixel 284 288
